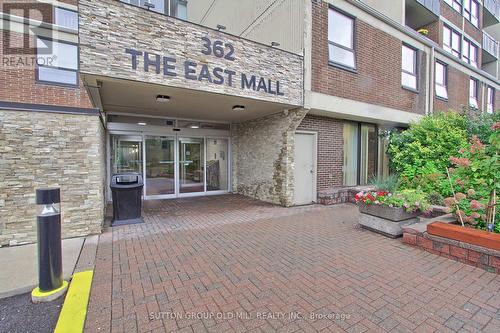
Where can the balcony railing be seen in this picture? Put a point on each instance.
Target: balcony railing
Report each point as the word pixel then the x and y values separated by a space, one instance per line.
pixel 432 5
pixel 490 45
pixel 493 6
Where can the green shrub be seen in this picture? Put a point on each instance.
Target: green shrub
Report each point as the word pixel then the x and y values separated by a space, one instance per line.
pixel 389 183
pixel 435 198
pixel 425 148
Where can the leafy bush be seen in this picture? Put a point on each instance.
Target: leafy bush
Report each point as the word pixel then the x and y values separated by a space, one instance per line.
pixel 477 173
pixel 425 148
pixel 389 183
pixel 480 124
pixel 435 198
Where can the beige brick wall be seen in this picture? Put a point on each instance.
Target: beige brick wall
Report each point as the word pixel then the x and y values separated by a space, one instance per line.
pixel 263 157
pixel 39 149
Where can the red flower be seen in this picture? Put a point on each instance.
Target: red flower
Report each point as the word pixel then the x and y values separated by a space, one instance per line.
pixel 496 126
pixel 460 161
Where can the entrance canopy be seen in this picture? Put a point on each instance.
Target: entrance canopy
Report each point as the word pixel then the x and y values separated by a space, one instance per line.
pixel 139 98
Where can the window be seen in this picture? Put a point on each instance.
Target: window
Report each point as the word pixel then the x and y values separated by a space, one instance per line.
pixel 473 93
pixel 176 8
pixel 455 4
pixel 470 52
pixel 360 153
pixel 441 80
pixel 451 41
pixel 341 39
pixel 57 62
pixel 471 11
pixel 409 67
pixel 66 18
pixel 490 102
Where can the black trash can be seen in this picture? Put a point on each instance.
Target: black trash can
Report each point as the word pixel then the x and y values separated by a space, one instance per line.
pixel 126 189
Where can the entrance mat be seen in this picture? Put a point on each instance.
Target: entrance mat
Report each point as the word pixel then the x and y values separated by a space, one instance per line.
pixel 117 223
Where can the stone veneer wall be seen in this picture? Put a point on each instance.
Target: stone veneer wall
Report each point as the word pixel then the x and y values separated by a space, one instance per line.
pixel 40 149
pixel 263 153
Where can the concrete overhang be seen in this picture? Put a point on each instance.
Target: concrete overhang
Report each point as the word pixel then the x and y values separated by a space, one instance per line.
pixel 134 98
pixel 337 107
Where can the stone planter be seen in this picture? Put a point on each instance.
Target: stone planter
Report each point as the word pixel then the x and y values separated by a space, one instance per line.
pixel 385 220
pixel 472 236
pixel 395 214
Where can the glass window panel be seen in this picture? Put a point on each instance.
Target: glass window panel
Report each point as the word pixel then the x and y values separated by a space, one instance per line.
pixel 440 74
pixel 368 153
pixel 63 55
pixel 441 91
pixel 66 18
pixel 126 154
pixel 178 8
pixel 340 29
pixel 455 42
pixel 341 56
pixel 466 49
pixel 408 59
pixel 57 75
pixel 473 55
pixel 217 164
pixel 408 80
pixel 446 36
pixel 350 167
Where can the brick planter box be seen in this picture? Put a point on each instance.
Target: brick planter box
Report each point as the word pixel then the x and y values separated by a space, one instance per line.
pixel 460 244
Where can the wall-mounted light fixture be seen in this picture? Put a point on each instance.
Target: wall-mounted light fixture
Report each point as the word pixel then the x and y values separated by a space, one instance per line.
pixel 163 98
pixel 221 27
pixel 275 44
pixel 239 108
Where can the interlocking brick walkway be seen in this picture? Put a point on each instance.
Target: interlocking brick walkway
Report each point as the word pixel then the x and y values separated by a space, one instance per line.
pixel 229 263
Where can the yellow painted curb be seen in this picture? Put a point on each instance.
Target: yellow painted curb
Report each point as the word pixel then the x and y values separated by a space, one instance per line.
pixel 74 310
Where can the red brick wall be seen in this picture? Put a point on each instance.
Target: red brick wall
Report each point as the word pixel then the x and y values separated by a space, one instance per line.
pixel 458 92
pixel 378 77
pixel 473 32
pixel 330 149
pixel 18 84
pixel 434 31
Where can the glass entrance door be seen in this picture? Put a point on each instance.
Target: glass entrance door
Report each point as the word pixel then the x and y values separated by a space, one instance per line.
pixel 160 165
pixel 173 166
pixel 191 165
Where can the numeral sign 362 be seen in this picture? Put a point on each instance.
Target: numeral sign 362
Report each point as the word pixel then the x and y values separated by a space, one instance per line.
pixel 218 48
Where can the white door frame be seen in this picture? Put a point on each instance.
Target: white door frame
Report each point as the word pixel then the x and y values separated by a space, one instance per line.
pixel 116 129
pixel 315 158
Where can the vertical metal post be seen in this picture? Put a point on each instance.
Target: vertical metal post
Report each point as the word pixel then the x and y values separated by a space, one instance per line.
pixel 49 240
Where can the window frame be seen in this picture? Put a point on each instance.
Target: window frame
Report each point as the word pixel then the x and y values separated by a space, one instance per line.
pixel 415 68
pixel 77 71
pixel 467 13
pixel 467 58
pixel 445 79
pixel 358 150
pixel 488 89
pixel 353 50
pixel 450 46
pixel 476 92
pixel 68 10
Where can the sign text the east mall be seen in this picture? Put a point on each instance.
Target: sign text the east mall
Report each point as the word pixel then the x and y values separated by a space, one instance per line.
pixel 190 70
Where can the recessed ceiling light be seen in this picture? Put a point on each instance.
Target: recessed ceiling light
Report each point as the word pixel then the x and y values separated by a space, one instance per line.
pixel 239 108
pixel 162 98
pixel 194 126
pixel 141 123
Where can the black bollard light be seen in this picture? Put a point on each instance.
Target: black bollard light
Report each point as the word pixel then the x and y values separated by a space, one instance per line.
pixel 50 270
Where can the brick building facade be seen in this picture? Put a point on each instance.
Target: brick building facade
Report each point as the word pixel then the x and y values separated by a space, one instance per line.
pixel 281 106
